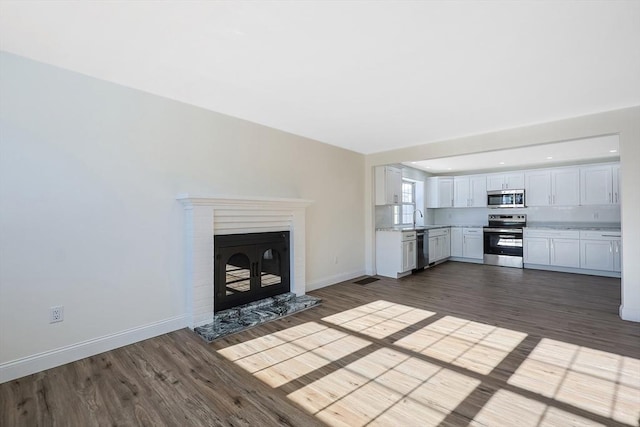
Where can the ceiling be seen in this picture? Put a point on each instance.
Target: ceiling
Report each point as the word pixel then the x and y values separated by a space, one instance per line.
pixel 595 149
pixel 368 76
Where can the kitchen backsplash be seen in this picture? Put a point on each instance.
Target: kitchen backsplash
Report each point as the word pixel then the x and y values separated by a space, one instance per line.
pixel 478 216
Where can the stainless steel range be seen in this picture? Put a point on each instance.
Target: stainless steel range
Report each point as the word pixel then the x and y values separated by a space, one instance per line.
pixel 503 240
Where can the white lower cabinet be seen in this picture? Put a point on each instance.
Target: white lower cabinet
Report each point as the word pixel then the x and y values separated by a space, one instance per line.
pixel 408 255
pixel 573 249
pixel 550 247
pixel 456 242
pixel 536 250
pixel 600 251
pixel 395 253
pixel 617 256
pixel 439 244
pixel 565 252
pixel 472 243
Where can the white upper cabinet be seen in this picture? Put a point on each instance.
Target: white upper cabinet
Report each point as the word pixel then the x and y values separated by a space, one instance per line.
pixel 461 191
pixel 553 187
pixel 561 186
pixel 470 191
pixel 388 185
pixel 615 169
pixel 505 181
pixel 440 192
pixel 537 188
pixel 478 191
pixel 597 185
pixel 565 187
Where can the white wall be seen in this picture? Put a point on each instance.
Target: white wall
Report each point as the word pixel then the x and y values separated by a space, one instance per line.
pixel 89 172
pixel 625 123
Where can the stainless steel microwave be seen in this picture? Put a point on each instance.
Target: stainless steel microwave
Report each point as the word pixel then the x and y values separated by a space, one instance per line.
pixel 505 199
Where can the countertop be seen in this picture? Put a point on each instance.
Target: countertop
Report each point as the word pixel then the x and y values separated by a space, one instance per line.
pixel 602 226
pixel 427 227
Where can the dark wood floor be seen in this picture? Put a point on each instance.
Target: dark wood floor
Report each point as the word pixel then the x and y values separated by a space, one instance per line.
pixel 458 344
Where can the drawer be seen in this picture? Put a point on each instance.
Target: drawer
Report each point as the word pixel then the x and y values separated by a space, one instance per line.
pixel 552 234
pixel 408 235
pixel 599 235
pixel 439 232
pixel 472 231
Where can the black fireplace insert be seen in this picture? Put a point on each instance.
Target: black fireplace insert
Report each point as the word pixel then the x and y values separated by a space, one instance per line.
pixel 250 267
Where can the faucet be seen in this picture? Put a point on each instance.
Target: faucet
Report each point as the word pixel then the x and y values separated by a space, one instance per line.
pixel 414 217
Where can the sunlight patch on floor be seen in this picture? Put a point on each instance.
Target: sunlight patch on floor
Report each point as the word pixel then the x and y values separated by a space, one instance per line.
pixel 386 387
pixel 413 380
pixel 471 345
pixel 292 353
pixel 603 383
pixel 379 319
pixel 511 409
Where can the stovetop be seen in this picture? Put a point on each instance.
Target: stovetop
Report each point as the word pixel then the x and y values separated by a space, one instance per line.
pixel 507 221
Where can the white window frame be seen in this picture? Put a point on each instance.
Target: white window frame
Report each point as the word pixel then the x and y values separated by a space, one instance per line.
pixel 403 213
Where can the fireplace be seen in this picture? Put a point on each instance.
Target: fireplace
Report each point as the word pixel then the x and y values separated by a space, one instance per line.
pixel 249 267
pixel 208 217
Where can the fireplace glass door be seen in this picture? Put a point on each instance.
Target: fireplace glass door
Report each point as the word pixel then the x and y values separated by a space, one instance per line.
pixel 249 267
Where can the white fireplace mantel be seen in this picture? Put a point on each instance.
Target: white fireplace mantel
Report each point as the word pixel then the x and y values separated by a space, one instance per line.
pixel 208 216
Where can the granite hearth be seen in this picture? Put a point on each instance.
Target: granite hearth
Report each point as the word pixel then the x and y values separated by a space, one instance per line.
pixel 249 315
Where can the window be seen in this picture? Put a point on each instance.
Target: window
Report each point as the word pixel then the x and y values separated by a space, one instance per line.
pixel 403 214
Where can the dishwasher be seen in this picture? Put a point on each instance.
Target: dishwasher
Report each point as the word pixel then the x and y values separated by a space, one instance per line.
pixel 422 250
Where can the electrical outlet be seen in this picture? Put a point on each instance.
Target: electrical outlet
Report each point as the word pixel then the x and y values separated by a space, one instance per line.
pixel 56 314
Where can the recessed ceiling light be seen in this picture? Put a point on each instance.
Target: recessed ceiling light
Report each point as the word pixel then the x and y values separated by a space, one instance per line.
pixel 448 169
pixel 413 163
pixel 549 157
pixel 613 151
pixel 502 163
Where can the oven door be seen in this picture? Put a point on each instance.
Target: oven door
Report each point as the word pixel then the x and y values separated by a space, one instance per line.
pixel 503 246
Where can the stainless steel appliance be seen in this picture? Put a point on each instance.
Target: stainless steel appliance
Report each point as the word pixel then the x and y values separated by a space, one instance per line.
pixel 422 250
pixel 505 199
pixel 503 240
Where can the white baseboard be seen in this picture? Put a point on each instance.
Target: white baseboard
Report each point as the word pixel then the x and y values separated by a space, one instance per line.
pixel 50 359
pixel 332 280
pixel 630 314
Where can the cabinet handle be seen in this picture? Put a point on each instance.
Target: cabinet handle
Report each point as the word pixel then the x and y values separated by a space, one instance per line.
pixel 553 199
pixel 549 197
pixel 610 247
pixel 616 193
pixel 610 198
